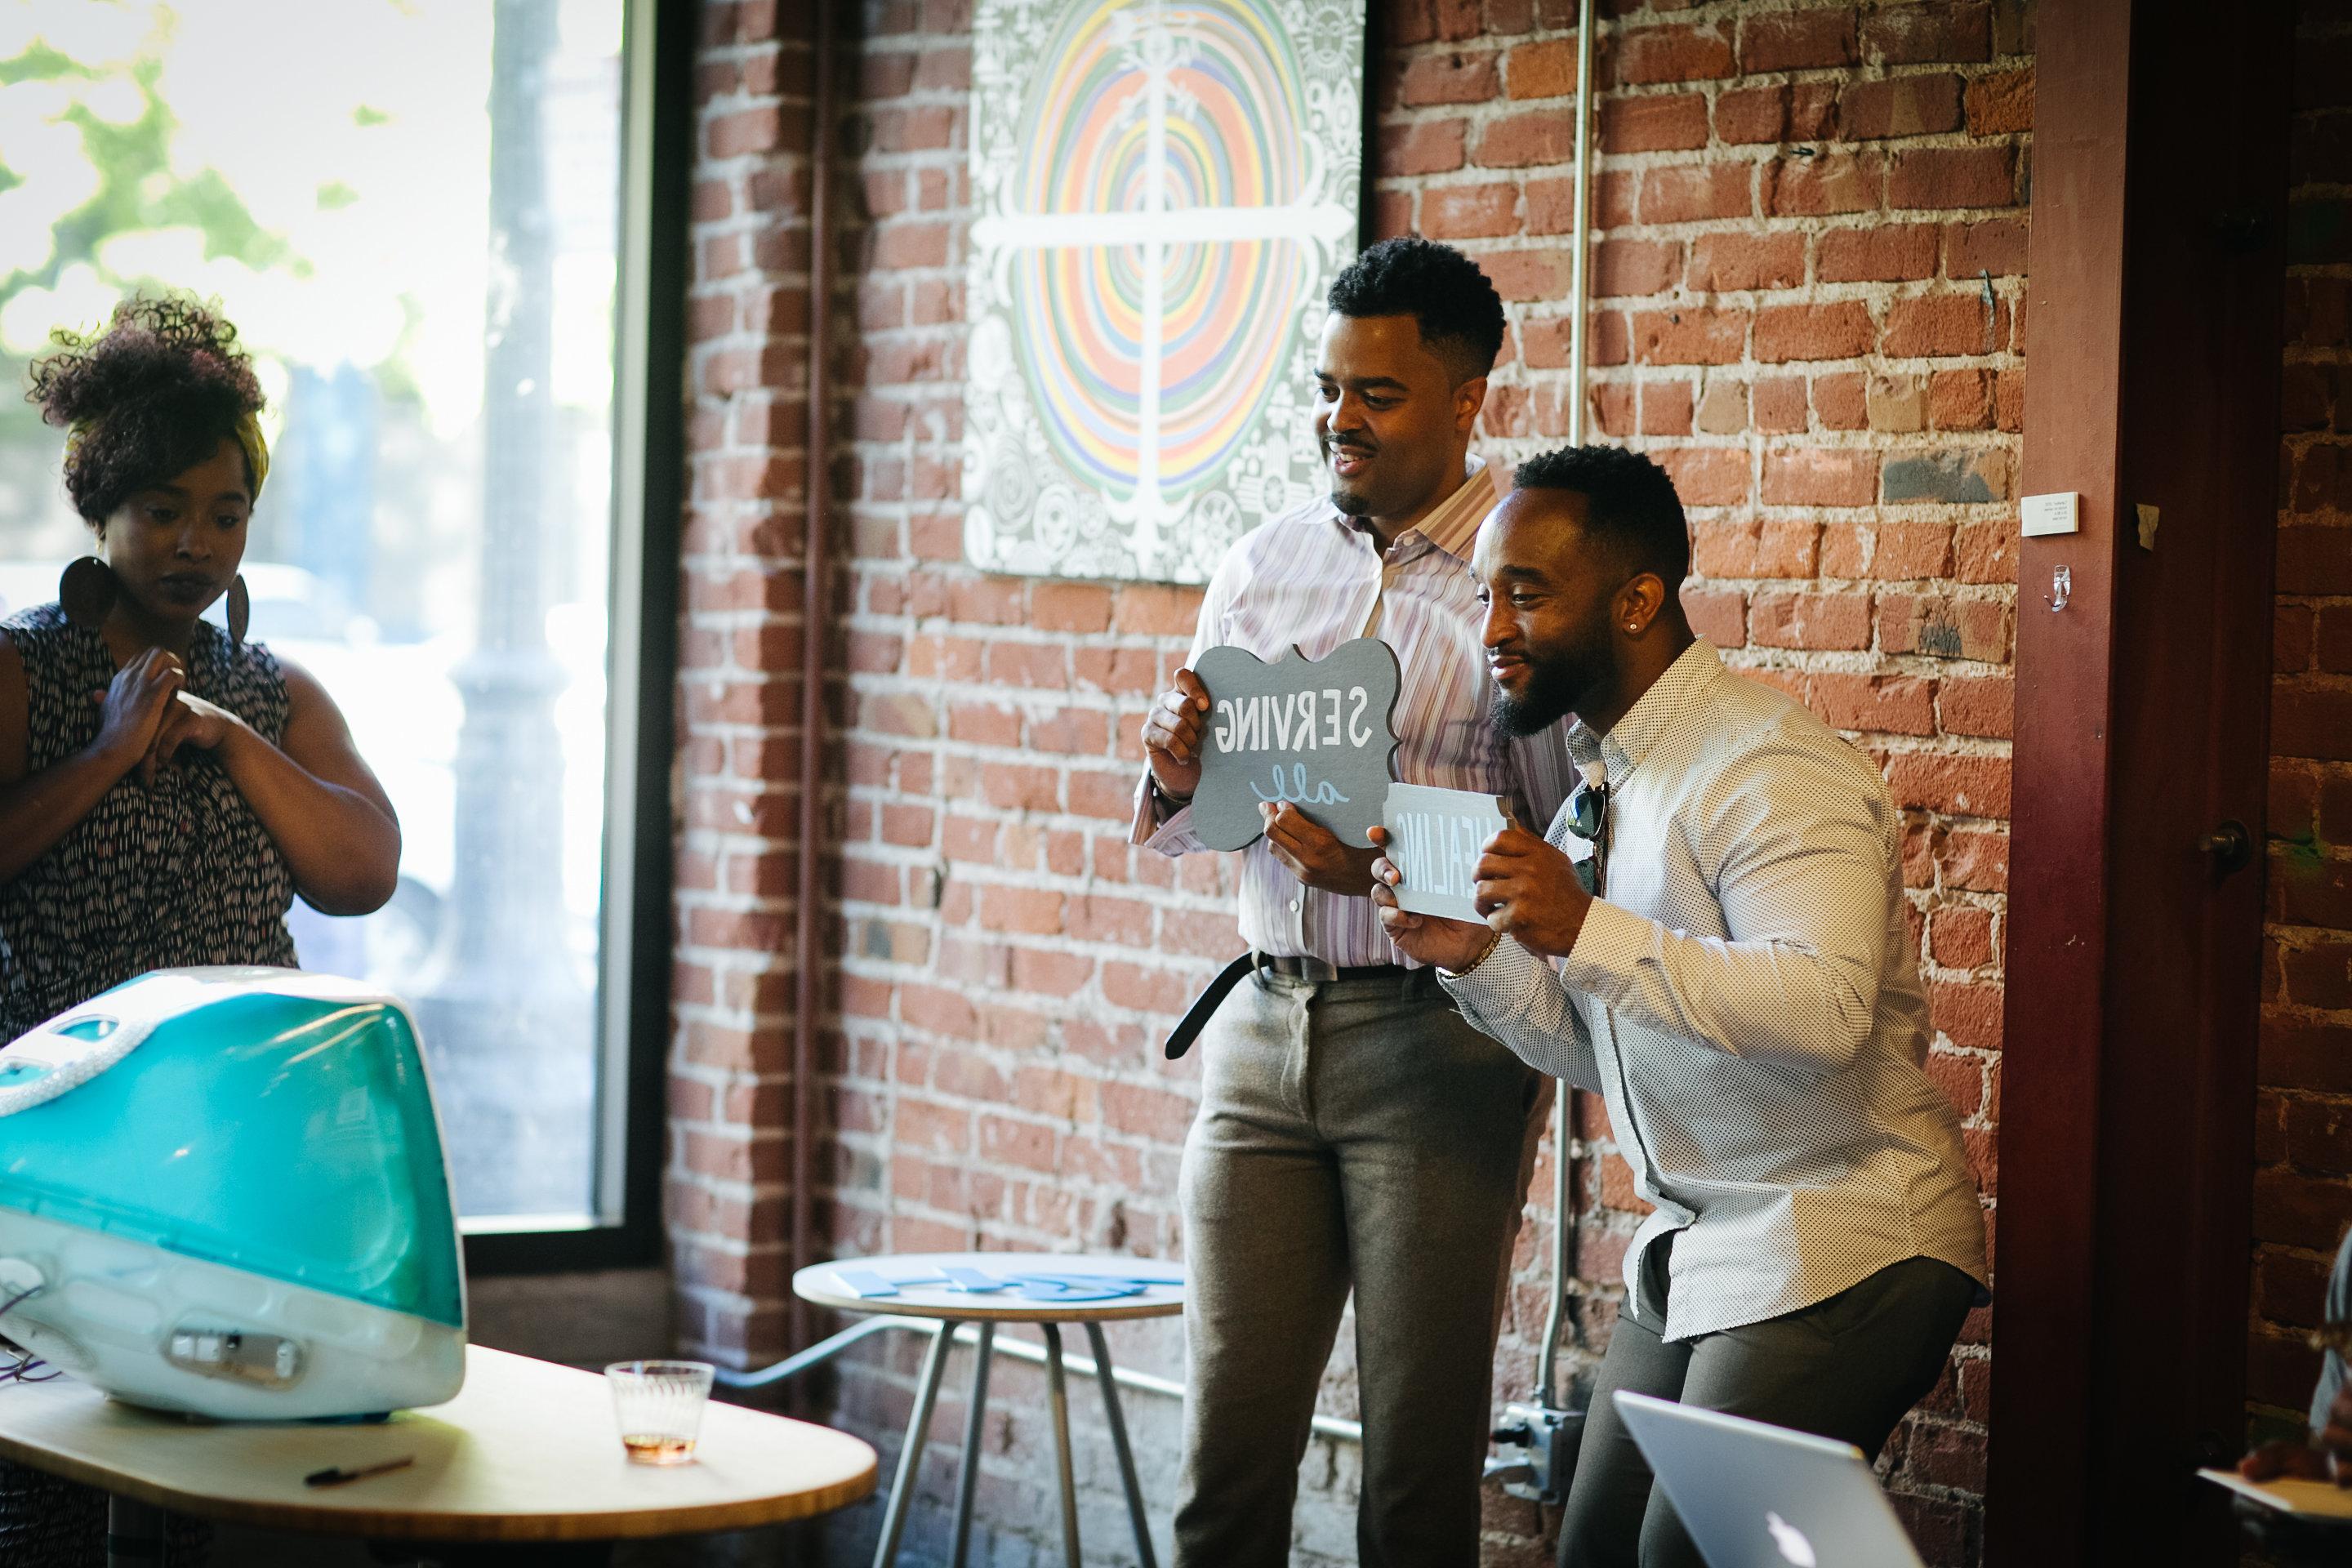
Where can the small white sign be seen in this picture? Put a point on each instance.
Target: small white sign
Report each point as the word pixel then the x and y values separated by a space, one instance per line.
pixel 2060 512
pixel 1436 838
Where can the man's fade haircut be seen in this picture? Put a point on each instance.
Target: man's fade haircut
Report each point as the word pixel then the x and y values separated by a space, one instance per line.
pixel 1631 507
pixel 1460 315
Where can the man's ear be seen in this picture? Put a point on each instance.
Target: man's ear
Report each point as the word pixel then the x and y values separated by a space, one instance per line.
pixel 1468 398
pixel 1639 602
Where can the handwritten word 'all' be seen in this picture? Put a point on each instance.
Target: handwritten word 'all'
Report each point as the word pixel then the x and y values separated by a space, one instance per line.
pixel 1295 790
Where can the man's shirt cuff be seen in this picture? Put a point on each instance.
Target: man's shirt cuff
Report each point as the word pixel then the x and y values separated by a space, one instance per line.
pixel 1171 834
pixel 1612 942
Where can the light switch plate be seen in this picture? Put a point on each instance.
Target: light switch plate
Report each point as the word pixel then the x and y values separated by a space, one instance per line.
pixel 2060 512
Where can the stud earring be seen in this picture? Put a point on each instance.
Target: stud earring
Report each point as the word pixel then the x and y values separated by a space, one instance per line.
pixel 86 592
pixel 240 610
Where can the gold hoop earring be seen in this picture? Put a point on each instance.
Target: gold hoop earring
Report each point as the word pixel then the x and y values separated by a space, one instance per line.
pixel 87 591
pixel 240 610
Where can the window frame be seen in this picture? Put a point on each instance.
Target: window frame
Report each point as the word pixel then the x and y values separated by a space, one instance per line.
pixel 632 991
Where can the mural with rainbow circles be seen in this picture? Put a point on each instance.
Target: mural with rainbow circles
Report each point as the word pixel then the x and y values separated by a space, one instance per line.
pixel 1161 191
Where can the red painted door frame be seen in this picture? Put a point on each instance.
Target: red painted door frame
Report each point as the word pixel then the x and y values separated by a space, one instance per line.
pixel 2152 355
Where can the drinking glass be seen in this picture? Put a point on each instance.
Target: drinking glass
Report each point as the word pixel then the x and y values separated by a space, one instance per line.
pixel 657 1405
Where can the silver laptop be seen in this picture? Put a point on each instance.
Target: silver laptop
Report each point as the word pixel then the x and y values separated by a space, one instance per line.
pixel 1754 1496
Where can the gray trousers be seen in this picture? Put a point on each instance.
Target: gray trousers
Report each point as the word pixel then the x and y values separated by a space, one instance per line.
pixel 1848 1367
pixel 1350 1134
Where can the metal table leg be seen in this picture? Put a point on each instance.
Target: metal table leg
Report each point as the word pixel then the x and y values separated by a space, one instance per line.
pixel 134 1532
pixel 910 1457
pixel 1118 1445
pixel 1057 1395
pixel 967 1479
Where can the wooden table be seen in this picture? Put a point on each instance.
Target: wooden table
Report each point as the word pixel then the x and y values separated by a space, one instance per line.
pixel 527 1452
pixel 828 1285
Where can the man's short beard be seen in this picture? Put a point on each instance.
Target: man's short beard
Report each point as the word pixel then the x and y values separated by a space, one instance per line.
pixel 1558 680
pixel 1549 695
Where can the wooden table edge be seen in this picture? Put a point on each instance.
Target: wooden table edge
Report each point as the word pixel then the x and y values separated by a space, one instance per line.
pixel 618 1525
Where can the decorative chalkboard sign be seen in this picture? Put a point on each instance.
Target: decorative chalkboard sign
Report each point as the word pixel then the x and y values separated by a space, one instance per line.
pixel 1314 732
pixel 1435 837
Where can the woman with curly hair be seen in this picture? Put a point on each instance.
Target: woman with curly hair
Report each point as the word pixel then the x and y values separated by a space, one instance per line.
pixel 165 788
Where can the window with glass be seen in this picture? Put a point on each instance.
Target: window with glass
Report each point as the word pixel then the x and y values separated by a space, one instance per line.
pixel 418 214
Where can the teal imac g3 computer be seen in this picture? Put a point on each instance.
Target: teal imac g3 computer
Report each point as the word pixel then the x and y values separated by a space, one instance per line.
pixel 222 1191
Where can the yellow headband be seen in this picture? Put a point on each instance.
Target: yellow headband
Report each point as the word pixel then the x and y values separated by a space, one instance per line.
pixel 248 437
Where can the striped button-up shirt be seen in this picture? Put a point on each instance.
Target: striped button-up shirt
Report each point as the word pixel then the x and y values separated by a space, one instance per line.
pixel 1316 578
pixel 1746 997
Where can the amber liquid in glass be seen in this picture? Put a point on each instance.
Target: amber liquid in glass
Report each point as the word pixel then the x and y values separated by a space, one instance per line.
pixel 657 1448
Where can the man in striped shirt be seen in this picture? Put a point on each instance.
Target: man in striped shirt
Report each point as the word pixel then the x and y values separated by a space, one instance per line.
pixel 1353 1131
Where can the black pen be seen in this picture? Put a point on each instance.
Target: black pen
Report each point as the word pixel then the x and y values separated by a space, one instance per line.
pixel 332 1478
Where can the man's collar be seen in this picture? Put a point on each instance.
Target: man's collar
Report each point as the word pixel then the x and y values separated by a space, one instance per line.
pixel 1453 524
pixel 1652 716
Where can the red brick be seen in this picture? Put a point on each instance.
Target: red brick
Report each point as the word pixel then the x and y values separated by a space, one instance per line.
pixel 1447 79
pixel 1831 183
pixel 1541 273
pixel 1913 35
pixel 2001 103
pixel 2314 560
pixel 1751 114
pixel 2311 721
pixel 1665 408
pixel 1707 475
pixel 1813 112
pixel 1952 177
pixel 1727 261
pixel 1671 53
pixel 1779 404
pixel 1956 785
pixel 1683 193
pixel 1656 122
pixel 1828 620
pixel 1899 106
pixel 1752 547
pixel 1843 477
pixel 1689 336
pixel 1960 399
pixel 1976 705
pixel 1785 333
pixel 1469 212
pixel 1876 254
pixel 1841 401
pixel 1719 615
pixel 1938 324
pixel 1547 70
pixel 1424 147
pixel 1629 267
pixel 1797 40
pixel 1519 140
pixel 1892 704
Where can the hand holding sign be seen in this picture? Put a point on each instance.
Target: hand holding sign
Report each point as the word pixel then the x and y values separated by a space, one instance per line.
pixel 1527 890
pixel 1310 734
pixel 1426 939
pixel 1171 736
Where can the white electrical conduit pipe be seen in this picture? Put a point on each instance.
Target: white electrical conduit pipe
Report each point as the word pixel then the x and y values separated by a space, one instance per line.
pixel 1547 1392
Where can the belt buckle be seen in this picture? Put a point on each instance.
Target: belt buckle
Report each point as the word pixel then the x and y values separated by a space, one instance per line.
pixel 1317 971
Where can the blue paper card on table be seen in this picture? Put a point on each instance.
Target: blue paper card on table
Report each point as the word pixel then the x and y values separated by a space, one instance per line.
pixel 1435 837
pixel 1314 732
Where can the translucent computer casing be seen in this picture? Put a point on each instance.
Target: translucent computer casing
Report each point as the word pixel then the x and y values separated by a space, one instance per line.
pixel 224 1192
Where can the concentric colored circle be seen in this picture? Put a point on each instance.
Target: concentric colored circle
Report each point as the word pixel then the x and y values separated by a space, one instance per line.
pixel 1159 110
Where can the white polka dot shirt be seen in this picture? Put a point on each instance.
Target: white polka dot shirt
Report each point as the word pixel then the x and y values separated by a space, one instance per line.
pixel 1747 1000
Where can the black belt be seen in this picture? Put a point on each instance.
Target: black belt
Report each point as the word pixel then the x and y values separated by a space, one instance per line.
pixel 1205 1006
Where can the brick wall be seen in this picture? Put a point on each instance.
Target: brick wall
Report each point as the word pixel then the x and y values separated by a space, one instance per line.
pixel 1810 300
pixel 2303 1194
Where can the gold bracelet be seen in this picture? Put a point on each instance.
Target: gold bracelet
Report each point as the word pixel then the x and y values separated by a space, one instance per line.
pixel 1493 943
